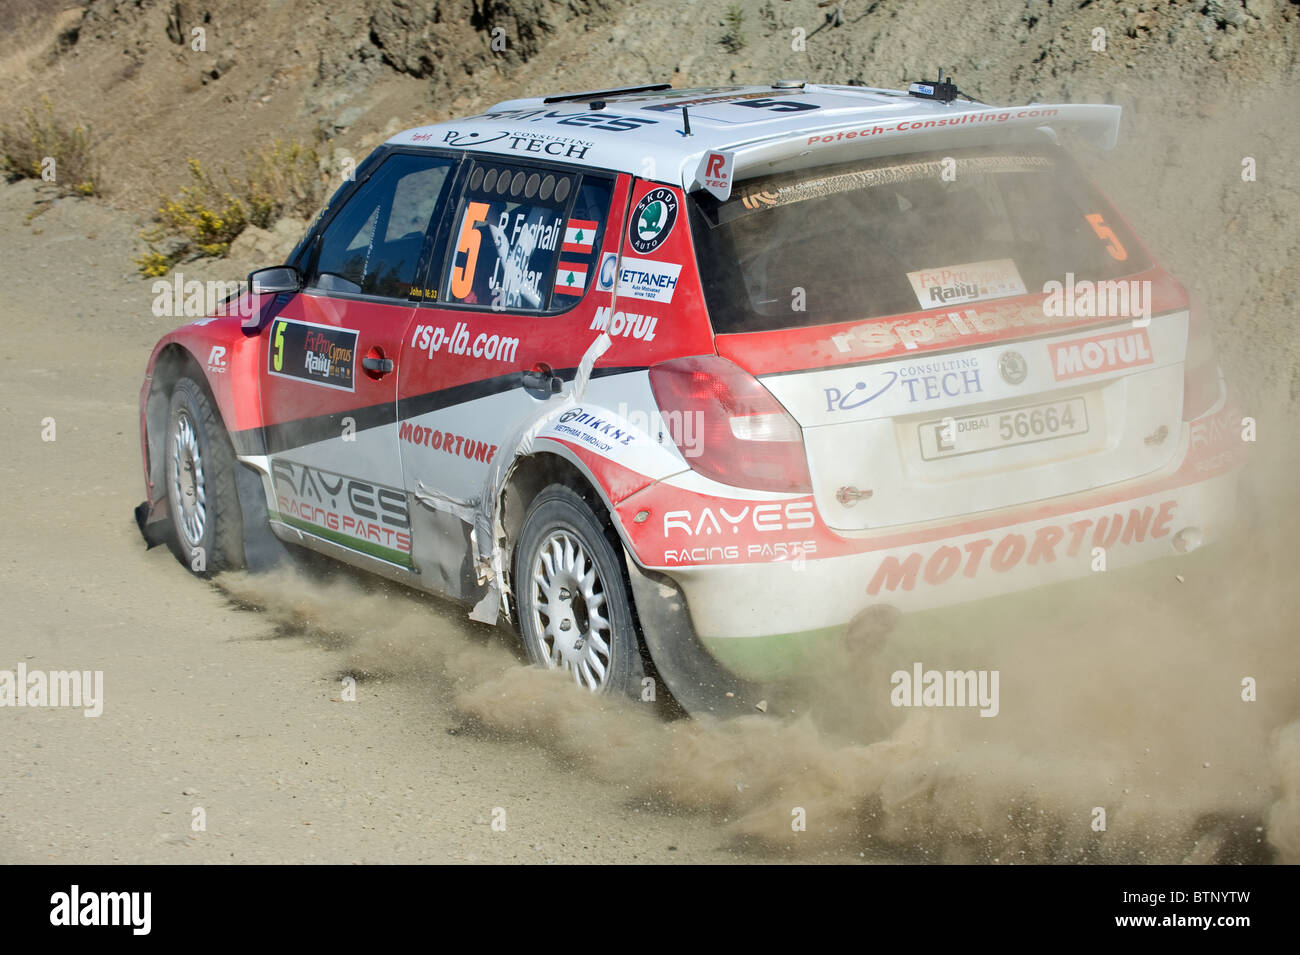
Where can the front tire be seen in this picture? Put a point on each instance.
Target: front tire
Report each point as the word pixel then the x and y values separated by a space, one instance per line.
pixel 202 500
pixel 574 607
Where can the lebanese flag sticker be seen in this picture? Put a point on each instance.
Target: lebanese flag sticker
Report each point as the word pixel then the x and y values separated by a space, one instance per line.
pixel 571 279
pixel 579 235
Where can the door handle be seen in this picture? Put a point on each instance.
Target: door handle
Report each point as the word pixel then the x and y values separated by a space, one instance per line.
pixel 541 379
pixel 380 366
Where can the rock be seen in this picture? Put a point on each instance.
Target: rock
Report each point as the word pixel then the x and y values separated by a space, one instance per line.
pixel 413 37
pixel 289 230
pixel 349 116
pixel 171 246
pixel 1226 12
pixel 256 245
pixel 261 248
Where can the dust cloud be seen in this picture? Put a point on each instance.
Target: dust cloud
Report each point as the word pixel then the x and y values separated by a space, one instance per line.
pixel 1123 696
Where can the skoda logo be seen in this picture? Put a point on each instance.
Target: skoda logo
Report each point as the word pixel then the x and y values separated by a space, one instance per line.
pixel 652 220
pixel 1012 367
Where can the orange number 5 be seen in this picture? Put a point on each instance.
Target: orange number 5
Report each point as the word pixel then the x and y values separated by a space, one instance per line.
pixel 462 276
pixel 1113 244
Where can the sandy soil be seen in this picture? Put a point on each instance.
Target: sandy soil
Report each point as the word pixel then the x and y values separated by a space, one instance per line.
pixel 207 706
pixel 226 696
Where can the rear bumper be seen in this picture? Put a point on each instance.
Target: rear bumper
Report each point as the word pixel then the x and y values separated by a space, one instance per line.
pixel 797 597
pixel 760 579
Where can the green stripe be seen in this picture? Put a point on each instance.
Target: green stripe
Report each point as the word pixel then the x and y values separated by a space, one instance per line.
pixel 352 543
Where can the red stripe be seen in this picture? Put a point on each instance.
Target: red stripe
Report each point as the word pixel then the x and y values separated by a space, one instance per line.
pixel 648 539
pixel 795 349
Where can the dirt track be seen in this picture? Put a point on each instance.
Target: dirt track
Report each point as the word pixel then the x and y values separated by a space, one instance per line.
pixel 199 696
pixel 1126 694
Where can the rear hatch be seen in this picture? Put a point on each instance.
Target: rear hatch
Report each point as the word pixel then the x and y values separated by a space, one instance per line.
pixel 954 333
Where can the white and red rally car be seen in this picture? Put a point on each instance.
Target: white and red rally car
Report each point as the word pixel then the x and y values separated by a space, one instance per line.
pixel 667 373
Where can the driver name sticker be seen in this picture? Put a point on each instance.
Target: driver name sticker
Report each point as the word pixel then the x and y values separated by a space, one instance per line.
pixel 320 354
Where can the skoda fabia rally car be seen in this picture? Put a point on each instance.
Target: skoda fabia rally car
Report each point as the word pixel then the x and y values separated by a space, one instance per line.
pixel 652 375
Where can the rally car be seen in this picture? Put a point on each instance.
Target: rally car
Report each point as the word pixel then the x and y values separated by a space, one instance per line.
pixel 651 375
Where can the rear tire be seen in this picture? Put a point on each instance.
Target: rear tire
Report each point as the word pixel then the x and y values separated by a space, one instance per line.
pixel 202 500
pixel 574 608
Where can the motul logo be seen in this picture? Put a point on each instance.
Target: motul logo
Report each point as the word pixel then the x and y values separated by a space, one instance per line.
pixel 625 324
pixel 1091 356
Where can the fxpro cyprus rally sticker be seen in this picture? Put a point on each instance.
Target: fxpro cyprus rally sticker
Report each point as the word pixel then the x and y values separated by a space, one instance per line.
pixel 972 282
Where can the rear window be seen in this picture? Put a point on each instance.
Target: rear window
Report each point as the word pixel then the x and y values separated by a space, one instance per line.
pixel 902 234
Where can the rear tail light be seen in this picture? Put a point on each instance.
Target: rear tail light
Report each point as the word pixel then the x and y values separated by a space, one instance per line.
pixel 742 435
pixel 1200 368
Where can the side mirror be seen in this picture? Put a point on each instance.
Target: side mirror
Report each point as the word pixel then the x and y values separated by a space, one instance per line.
pixel 282 278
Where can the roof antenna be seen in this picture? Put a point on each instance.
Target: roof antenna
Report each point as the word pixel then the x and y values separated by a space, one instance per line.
pixel 686 122
pixel 941 90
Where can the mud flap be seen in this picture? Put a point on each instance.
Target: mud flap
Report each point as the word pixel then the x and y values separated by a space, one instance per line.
pixel 262 549
pixel 153 532
pixel 698 682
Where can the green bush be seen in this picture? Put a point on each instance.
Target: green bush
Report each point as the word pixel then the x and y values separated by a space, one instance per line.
pixel 210 211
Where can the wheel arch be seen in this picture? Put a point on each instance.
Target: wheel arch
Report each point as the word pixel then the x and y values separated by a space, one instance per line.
pixel 675 655
pixel 532 473
pixel 173 362
pixel 529 476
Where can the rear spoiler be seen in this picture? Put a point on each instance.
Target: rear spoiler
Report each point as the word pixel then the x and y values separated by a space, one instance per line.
pixel 919 131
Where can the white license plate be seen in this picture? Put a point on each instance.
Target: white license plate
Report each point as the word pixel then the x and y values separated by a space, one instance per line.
pixel 968 434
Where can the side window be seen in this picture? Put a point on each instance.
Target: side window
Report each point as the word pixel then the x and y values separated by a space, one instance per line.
pixel 524 239
pixel 373 245
pixel 584 232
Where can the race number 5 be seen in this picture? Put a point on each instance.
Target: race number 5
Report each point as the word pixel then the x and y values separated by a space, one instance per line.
pixel 277 358
pixel 462 276
pixel 1113 244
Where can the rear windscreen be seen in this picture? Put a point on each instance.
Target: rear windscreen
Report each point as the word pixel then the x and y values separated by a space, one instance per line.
pixel 902 234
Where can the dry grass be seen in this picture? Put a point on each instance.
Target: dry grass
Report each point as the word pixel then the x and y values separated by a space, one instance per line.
pixel 207 214
pixel 43 146
pixel 28 15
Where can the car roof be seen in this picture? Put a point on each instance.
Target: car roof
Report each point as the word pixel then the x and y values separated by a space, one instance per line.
pixel 766 128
